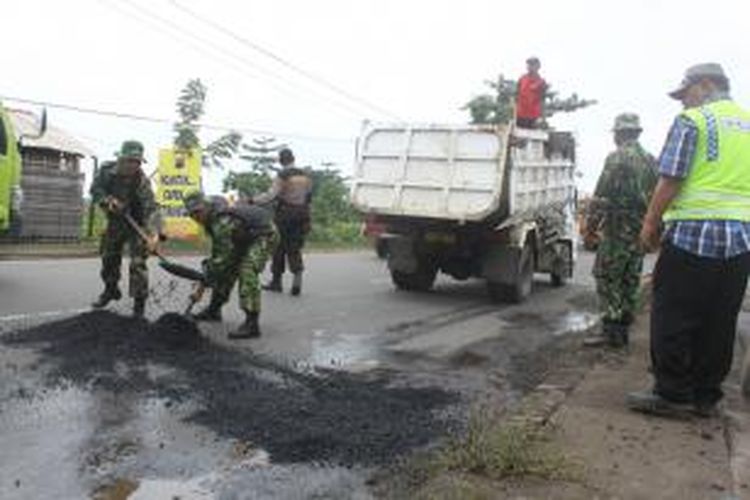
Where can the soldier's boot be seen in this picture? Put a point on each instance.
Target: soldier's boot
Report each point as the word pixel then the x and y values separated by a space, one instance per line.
pixel 619 336
pixel 274 285
pixel 297 284
pixel 139 307
pixel 250 329
pixel 212 312
pixel 602 338
pixel 110 293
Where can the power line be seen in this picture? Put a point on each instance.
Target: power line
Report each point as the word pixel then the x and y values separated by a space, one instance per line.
pixel 152 119
pixel 285 62
pixel 177 33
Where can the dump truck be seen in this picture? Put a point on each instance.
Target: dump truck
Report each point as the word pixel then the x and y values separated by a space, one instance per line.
pixel 494 202
pixel 10 169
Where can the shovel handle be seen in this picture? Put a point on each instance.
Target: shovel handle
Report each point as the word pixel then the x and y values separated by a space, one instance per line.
pixel 140 231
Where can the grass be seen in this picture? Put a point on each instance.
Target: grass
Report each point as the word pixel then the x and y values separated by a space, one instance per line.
pixel 491 450
pixel 500 450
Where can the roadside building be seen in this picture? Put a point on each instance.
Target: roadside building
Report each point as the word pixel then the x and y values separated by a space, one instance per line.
pixel 51 180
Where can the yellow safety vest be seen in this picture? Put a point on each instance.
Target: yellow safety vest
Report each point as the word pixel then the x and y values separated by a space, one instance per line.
pixel 718 186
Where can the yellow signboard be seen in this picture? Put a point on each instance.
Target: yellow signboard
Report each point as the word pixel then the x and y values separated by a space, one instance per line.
pixel 178 173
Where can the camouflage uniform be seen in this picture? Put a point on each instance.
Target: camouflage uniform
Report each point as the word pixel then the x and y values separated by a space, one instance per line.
pixel 620 202
pixel 135 193
pixel 230 261
pixel 242 239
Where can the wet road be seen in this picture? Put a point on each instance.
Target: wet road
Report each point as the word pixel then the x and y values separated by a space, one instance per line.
pixel 79 441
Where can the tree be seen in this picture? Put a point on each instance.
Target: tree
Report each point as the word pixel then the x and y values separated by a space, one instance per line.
pixel 261 154
pixel 498 107
pixel 494 108
pixel 190 108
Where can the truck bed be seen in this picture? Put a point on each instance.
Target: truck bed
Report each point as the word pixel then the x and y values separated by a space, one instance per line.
pixel 460 173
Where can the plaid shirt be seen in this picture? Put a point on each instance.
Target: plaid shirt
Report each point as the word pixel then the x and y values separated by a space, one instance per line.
pixel 718 239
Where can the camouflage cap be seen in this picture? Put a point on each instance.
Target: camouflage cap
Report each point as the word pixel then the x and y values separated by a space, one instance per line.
pixel 627 121
pixel 694 74
pixel 131 150
pixel 194 201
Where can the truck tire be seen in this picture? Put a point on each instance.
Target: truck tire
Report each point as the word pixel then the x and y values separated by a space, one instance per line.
pixel 420 281
pixel 520 289
pixel 381 248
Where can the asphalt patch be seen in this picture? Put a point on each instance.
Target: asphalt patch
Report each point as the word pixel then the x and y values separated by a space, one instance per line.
pixel 296 416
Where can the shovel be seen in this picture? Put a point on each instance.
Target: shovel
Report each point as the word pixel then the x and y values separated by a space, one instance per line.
pixel 170 266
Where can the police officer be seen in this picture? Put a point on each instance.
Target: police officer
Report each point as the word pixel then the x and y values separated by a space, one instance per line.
pixel 242 239
pixel 703 199
pixel 292 192
pixel 122 190
pixel 619 204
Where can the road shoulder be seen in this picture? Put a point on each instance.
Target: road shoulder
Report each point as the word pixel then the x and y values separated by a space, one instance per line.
pixel 611 452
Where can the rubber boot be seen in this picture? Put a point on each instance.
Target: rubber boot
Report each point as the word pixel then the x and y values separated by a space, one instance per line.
pixel 619 335
pixel 297 284
pixel 274 285
pixel 139 307
pixel 212 312
pixel 109 294
pixel 249 329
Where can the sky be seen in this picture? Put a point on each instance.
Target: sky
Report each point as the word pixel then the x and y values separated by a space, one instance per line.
pixel 379 60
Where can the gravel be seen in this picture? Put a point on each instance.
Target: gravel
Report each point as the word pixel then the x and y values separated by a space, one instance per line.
pixel 296 416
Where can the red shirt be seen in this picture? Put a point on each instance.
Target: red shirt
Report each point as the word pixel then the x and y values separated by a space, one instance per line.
pixel 530 96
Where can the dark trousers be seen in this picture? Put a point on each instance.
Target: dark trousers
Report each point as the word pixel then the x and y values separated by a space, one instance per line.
pixel 693 323
pixel 291 241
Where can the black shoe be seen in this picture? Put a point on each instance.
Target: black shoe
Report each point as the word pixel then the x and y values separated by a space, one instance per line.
pixel 274 285
pixel 707 410
pixel 210 313
pixel 647 401
pixel 108 295
pixel 619 335
pixel 139 307
pixel 247 330
pixel 297 284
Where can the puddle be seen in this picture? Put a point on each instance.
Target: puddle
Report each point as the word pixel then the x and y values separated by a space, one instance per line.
pixel 575 322
pixel 349 352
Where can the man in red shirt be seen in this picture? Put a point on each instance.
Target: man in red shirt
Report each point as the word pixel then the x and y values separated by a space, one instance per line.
pixel 530 95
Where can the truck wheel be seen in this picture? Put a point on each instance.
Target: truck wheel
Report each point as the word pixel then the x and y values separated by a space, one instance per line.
pixel 516 292
pixel 420 281
pixel 381 248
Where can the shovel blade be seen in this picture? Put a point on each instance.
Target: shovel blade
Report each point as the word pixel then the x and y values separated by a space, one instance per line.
pixel 181 271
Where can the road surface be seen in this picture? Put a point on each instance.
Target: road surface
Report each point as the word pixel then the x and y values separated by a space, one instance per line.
pixel 68 434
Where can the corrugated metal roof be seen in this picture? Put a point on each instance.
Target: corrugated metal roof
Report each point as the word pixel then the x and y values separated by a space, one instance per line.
pixel 26 122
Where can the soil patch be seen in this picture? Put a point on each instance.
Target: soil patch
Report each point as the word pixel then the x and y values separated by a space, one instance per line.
pixel 331 417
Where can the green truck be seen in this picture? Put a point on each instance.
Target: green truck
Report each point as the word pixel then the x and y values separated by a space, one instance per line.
pixel 10 168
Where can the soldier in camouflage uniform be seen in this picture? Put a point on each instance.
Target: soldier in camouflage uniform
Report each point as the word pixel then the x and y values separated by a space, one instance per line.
pixel 242 239
pixel 122 188
pixel 620 202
